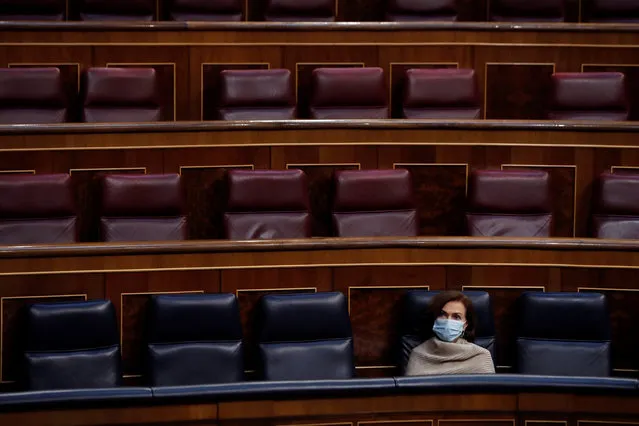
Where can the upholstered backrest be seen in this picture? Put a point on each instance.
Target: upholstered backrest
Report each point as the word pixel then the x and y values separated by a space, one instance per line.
pixel 142 208
pixel 256 95
pixel 36 209
pixel 110 10
pixel 206 10
pixel 32 96
pixel 509 203
pixel 421 10
pixel 348 93
pixel 194 339
pixel 563 334
pixel 416 320
pixel 526 10
pixel 32 10
pixel 374 203
pixel 121 95
pixel 616 206
pixel 72 345
pixel 589 96
pixel 441 94
pixel 305 337
pixel 267 204
pixel 608 11
pixel 300 10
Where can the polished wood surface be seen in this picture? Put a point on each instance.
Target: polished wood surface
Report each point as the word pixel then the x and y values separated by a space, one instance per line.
pixel 373 274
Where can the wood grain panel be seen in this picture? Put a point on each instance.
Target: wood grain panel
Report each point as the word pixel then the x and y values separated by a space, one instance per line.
pixel 632 81
pixel 40 161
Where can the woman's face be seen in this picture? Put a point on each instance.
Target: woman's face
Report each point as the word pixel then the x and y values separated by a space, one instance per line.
pixel 454 310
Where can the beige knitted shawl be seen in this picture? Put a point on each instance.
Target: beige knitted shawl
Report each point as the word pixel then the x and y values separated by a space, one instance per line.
pixel 437 357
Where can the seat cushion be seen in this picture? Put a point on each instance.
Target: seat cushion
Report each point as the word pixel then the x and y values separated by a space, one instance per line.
pixel 616 207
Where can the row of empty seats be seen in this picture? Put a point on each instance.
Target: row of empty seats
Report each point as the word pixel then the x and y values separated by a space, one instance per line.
pixel 37 95
pixel 301 10
pixel 198 339
pixel 270 204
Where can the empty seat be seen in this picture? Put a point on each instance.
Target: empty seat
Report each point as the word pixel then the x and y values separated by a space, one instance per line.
pixel 32 96
pixel 256 95
pixel 71 345
pixel 205 10
pixel 416 322
pixel 527 11
pixel 121 95
pixel 563 334
pixel 509 203
pixel 267 204
pixel 32 10
pixel 441 94
pixel 589 96
pixel 348 93
pixel 616 207
pixel 142 208
pixel 300 10
pixel 116 10
pixel 305 337
pixel 194 339
pixel 374 203
pixel 421 10
pixel 36 209
pixel 611 11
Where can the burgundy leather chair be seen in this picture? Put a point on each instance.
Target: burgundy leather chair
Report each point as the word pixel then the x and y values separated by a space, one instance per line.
pixel 527 10
pixel 348 93
pixel 267 204
pixel 205 10
pixel 509 203
pixel 421 10
pixel 374 203
pixel 37 209
pixel 32 96
pixel 142 208
pixel 589 96
pixel 616 206
pixel 441 94
pixel 32 10
pixel 256 95
pixel 612 11
pixel 299 10
pixel 121 95
pixel 116 10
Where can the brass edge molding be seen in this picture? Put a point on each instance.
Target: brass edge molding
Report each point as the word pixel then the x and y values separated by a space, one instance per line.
pixel 613 168
pixel 605 65
pixel 9 172
pixel 383 422
pixel 508 421
pixel 299 165
pixel 108 169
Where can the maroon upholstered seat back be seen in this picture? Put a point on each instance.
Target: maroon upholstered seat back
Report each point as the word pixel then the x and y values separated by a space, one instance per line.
pixel 36 209
pixel 121 95
pixel 32 95
pixel 256 95
pixel 142 208
pixel 421 10
pixel 441 94
pixel 116 10
pixel 589 96
pixel 348 93
pixel 300 10
pixel 610 11
pixel 616 207
pixel 374 203
pixel 509 203
pixel 32 10
pixel 206 10
pixel 267 204
pixel 527 10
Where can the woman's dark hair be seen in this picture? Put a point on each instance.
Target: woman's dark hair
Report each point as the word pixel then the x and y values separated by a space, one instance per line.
pixel 440 300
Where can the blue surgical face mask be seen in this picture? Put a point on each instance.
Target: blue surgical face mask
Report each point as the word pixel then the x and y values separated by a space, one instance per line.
pixel 448 330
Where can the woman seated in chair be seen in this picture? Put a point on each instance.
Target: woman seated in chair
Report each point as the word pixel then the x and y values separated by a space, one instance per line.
pixel 451 350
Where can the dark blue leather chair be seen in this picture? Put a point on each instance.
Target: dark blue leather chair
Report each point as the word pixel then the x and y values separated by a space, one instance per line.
pixel 563 334
pixel 305 337
pixel 72 345
pixel 194 339
pixel 414 329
